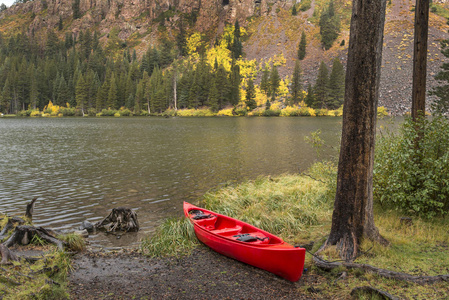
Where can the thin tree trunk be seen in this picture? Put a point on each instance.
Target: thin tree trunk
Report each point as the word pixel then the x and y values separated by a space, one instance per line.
pixel 420 58
pixel 352 218
pixel 175 98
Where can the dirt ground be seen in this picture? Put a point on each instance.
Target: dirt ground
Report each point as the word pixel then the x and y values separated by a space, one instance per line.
pixel 202 275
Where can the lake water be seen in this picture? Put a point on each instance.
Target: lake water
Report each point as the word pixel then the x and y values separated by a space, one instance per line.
pixel 80 168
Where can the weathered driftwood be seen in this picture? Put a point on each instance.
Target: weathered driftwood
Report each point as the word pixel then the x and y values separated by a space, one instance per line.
pixel 7 255
pixel 30 209
pixel 12 222
pixel 372 291
pixel 327 265
pixel 120 219
pixel 23 235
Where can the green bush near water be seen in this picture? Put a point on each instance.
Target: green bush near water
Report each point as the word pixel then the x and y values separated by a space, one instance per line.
pixel 414 179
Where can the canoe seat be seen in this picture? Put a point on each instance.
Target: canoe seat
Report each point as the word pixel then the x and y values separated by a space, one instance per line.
pixel 208 223
pixel 228 231
pixel 251 238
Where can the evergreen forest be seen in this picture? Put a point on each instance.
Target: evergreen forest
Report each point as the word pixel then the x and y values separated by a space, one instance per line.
pixel 79 76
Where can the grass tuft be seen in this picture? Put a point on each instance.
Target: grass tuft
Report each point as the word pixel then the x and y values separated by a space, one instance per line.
pixel 175 237
pixel 74 242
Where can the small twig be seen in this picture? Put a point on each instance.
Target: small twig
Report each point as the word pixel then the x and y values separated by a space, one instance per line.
pixel 305 174
pixel 372 290
pixel 342 276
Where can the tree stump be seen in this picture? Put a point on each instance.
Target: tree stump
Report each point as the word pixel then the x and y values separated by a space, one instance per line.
pixel 6 255
pixel 12 222
pixel 23 235
pixel 120 219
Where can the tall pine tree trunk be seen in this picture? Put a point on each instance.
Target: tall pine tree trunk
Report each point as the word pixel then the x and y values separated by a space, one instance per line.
pixel 352 218
pixel 175 96
pixel 420 58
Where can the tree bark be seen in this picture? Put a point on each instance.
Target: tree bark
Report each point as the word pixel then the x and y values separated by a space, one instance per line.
pixel 420 58
pixel 352 218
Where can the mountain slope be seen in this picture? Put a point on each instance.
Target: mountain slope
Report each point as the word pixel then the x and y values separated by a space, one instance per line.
pixel 273 33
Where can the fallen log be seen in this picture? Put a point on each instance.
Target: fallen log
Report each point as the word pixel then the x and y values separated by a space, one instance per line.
pixel 327 265
pixel 120 219
pixel 23 235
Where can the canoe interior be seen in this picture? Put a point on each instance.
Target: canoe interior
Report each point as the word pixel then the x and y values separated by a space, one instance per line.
pixel 232 229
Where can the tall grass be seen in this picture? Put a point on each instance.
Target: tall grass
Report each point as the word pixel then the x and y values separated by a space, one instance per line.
pixel 175 237
pixel 288 206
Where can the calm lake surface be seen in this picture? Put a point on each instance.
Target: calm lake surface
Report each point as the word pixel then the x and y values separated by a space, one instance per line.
pixel 80 168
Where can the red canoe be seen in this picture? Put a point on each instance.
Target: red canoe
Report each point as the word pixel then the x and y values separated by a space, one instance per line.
pixel 246 243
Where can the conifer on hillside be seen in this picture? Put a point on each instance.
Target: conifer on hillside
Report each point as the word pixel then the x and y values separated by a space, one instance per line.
pixel 329 26
pixel 274 82
pixel 310 97
pixel 302 46
pixel 250 95
pixel 265 81
pixel 321 90
pixel 296 86
pixel 336 85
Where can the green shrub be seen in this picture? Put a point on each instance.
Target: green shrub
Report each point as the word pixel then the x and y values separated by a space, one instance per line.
pixel 92 112
pixel 125 112
pixel 411 177
pixel 67 111
pixel 240 111
pixel 144 113
pixel 169 113
pixel 108 112
pixel 321 112
pixel 271 113
pixel 24 113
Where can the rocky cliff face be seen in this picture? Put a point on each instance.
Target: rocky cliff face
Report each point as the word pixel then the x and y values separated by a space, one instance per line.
pixel 132 15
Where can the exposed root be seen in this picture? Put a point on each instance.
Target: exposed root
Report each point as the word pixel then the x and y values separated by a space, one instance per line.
pixel 12 222
pixel 371 290
pixel 24 234
pixel 120 219
pixel 327 265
